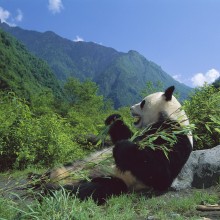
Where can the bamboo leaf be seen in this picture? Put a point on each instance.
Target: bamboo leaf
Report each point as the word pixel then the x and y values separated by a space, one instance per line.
pixel 218 130
pixel 208 128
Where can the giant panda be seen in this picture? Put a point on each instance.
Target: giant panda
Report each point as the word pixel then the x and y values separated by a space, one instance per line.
pixel 140 168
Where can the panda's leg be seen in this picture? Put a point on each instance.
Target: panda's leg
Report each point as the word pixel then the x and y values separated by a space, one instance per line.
pixel 99 189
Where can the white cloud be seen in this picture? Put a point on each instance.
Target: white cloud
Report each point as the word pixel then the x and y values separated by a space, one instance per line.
pixel 78 39
pixel 19 16
pixel 177 77
pixel 55 6
pixel 200 78
pixel 4 14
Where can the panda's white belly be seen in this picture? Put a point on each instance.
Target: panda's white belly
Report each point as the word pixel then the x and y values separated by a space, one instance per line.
pixel 130 180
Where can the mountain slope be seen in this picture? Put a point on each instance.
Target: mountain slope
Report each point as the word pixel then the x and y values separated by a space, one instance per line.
pixel 67 58
pixel 120 76
pixel 128 75
pixel 22 72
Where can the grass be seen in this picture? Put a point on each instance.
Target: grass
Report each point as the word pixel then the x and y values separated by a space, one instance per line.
pixel 22 173
pixel 62 206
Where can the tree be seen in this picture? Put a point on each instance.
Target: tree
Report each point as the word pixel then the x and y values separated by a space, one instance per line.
pixel 83 94
pixel 151 88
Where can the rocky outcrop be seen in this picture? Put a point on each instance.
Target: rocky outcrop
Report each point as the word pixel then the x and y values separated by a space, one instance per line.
pixel 202 170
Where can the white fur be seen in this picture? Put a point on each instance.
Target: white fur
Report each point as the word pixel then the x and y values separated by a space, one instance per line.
pixel 154 105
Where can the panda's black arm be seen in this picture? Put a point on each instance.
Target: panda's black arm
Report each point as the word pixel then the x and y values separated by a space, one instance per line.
pixel 118 129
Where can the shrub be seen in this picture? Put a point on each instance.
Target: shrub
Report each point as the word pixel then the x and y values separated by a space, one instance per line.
pixel 37 133
pixel 12 111
pixel 203 109
pixel 26 139
pixel 46 140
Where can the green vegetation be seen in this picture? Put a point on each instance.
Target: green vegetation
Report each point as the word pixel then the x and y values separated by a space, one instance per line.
pixel 26 139
pixel 22 72
pixel 39 134
pixel 62 206
pixel 156 87
pixel 203 109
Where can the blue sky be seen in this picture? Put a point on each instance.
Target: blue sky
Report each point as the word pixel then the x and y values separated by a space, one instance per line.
pixel 182 36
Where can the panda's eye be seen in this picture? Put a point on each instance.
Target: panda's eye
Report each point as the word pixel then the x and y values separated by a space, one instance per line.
pixel 142 104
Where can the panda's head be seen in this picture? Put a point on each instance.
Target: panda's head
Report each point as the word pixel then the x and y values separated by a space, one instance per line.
pixel 157 106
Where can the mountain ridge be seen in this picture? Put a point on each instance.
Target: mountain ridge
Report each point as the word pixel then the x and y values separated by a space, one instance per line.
pixel 120 76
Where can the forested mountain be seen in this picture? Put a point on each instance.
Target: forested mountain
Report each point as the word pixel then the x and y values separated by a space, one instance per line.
pixel 22 72
pixel 120 76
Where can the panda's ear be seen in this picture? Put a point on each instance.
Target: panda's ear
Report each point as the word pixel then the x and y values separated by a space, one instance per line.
pixel 169 92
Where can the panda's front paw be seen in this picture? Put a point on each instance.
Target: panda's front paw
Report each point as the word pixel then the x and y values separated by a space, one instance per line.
pixel 112 118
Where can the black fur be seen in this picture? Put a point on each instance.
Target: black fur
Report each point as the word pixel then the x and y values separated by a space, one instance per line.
pixel 152 166
pixel 99 189
pixel 169 92
pixel 102 188
pixel 118 130
pixel 112 118
pixel 142 104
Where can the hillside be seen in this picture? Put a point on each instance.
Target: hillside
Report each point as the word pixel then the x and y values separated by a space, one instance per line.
pixel 127 77
pixel 22 72
pixel 120 76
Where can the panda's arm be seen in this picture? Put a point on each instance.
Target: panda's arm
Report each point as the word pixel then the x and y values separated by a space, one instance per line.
pixel 118 129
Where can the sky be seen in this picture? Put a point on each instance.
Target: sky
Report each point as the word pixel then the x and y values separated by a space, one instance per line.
pixel 181 36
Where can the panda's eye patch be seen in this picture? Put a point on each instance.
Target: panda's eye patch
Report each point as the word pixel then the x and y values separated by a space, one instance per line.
pixel 142 104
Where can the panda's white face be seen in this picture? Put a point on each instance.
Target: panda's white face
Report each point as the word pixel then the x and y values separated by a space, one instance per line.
pixel 150 109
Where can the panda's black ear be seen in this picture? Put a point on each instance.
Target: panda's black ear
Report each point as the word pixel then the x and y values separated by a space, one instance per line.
pixel 169 92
